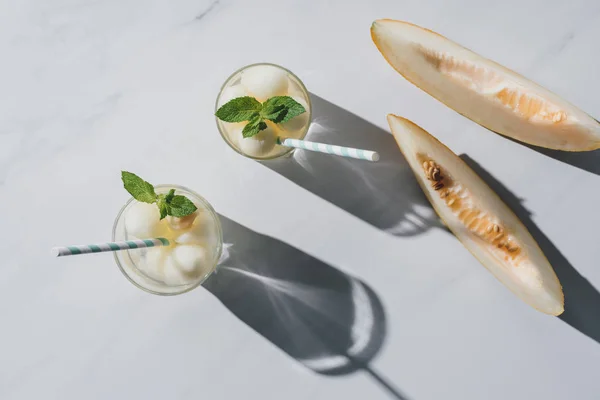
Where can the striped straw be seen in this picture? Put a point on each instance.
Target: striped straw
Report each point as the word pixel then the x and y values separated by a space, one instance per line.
pixel 111 246
pixel 329 149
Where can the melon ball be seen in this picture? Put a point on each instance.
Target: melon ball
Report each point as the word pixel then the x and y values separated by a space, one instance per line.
pixel 294 89
pixel 296 124
pixel 265 81
pixel 259 145
pixel 142 220
pixel 234 133
pixel 191 237
pixel 230 93
pixel 204 232
pixel 190 259
pixel 233 130
pixel 182 223
pixel 172 274
pixel 153 262
pixel 197 234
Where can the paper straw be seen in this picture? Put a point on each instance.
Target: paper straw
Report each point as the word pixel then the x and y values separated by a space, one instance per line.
pixel 110 246
pixel 330 149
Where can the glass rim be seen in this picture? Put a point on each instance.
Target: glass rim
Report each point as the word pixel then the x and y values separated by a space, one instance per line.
pixel 219 122
pixel 217 257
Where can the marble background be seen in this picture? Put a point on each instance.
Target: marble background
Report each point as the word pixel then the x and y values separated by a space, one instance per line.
pixel 340 281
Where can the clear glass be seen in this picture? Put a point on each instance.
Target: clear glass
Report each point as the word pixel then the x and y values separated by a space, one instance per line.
pixel 296 88
pixel 142 280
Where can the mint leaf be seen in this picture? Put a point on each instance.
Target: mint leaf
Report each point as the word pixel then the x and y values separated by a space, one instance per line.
pixel 163 203
pixel 174 205
pixel 255 125
pixel 138 188
pixel 170 195
pixel 168 204
pixel 164 209
pixel 180 206
pixel 239 109
pixel 273 112
pixel 281 109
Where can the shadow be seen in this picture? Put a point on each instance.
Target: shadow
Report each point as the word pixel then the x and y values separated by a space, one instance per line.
pixel 385 194
pixel 585 160
pixel 582 300
pixel 328 321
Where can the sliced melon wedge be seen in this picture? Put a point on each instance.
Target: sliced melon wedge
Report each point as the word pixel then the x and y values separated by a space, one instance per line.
pixel 488 93
pixel 479 219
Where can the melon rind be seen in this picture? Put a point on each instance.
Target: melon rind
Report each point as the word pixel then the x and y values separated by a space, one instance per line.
pixel 484 91
pixel 527 273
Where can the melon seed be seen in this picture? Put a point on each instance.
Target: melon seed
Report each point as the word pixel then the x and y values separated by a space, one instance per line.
pixel 429 172
pixel 493 232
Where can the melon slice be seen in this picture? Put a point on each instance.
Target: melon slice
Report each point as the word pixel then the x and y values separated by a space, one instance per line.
pixel 479 219
pixel 488 93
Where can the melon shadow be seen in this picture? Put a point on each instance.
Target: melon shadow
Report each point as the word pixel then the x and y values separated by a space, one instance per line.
pixel 585 160
pixel 582 299
pixel 329 321
pixel 384 194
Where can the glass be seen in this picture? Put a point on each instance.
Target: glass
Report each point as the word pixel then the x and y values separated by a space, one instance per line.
pixel 295 88
pixel 131 264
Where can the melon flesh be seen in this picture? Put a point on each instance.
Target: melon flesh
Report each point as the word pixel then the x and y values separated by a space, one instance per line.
pixel 479 219
pixel 488 93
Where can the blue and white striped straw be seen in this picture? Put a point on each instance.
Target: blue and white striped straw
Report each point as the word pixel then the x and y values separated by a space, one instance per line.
pixel 110 246
pixel 329 149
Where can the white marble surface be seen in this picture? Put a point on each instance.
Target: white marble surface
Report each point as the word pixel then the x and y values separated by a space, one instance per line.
pixel 92 87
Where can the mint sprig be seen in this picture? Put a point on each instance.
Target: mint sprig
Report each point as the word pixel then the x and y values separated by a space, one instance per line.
pixel 255 125
pixel 281 109
pixel 168 204
pixel 181 206
pixel 239 110
pixel 138 188
pixel 277 109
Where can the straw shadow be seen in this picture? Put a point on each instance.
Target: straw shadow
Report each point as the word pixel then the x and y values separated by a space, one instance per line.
pixel 328 321
pixel 582 300
pixel 385 194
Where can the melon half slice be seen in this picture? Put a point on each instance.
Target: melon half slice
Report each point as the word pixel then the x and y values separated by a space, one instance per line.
pixel 488 93
pixel 479 219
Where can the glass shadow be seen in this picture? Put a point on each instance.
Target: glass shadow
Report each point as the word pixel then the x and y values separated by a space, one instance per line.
pixel 329 321
pixel 385 194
